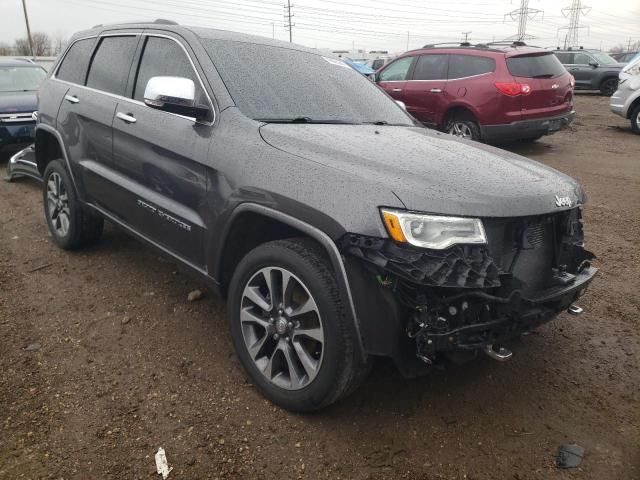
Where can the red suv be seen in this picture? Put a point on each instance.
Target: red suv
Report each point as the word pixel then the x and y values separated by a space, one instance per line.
pixel 494 92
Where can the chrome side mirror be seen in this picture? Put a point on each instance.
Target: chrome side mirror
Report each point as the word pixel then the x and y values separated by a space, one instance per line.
pixel 175 95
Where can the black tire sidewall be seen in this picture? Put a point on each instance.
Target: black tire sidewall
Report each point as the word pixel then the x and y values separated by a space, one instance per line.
pixel 314 395
pixel 635 122
pixel 68 240
pixel 604 90
pixel 473 126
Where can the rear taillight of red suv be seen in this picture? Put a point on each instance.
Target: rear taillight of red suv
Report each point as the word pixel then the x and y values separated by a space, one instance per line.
pixel 513 89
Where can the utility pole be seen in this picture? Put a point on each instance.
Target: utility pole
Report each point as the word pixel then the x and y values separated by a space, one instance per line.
pixel 287 17
pixel 522 15
pixel 26 20
pixel 273 30
pixel 573 13
pixel 408 40
pixel 466 36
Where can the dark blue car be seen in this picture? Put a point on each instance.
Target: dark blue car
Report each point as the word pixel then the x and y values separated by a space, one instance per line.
pixel 19 82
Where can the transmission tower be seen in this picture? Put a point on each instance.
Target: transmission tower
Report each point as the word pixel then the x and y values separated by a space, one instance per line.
pixel 287 18
pixel 466 36
pixel 522 15
pixel 573 13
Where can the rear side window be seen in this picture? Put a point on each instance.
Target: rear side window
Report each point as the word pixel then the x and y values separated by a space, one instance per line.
pixel 164 57
pixel 546 65
pixel 74 65
pixel 396 71
pixel 582 59
pixel 565 57
pixel 110 66
pixel 461 66
pixel 431 67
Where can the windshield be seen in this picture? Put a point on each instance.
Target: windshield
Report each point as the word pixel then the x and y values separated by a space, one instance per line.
pixel 272 83
pixel 20 79
pixel 535 66
pixel 603 58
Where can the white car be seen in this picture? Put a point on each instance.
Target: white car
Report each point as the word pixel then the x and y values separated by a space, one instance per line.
pixel 626 100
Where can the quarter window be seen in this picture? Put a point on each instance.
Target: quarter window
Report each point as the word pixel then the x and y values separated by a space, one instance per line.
pixel 164 57
pixel 431 67
pixel 111 63
pixel 461 66
pixel 396 71
pixel 74 65
pixel 565 58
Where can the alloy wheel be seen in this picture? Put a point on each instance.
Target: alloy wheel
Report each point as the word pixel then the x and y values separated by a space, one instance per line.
pixel 58 204
pixel 460 129
pixel 282 328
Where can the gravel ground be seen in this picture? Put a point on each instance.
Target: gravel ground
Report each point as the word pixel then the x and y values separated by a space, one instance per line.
pixel 103 360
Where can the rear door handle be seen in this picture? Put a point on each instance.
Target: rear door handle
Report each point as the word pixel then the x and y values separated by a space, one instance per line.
pixel 72 99
pixel 126 118
pixel 396 89
pixel 436 90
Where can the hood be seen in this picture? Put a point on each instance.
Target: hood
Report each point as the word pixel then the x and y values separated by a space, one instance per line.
pixel 431 171
pixel 11 102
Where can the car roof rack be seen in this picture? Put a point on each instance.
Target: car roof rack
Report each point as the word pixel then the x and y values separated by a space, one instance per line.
pixel 157 21
pixel 460 44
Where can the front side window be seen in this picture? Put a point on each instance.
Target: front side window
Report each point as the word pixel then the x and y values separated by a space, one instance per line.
pixel 431 67
pixel 276 84
pixel 582 59
pixel 111 63
pixel 396 71
pixel 462 66
pixel 21 79
pixel 164 57
pixel 74 65
pixel 603 59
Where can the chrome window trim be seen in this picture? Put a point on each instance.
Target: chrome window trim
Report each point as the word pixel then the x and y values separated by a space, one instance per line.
pixel 131 100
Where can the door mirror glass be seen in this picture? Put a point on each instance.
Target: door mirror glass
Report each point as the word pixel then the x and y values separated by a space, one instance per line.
pixel 174 95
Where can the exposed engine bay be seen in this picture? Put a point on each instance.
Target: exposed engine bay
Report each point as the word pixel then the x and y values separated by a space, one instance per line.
pixel 472 297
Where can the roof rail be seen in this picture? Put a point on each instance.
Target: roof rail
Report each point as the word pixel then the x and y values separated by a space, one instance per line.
pixel 461 44
pixel 158 21
pixel 514 43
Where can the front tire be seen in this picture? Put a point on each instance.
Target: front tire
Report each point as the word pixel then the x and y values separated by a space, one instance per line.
pixel 289 327
pixel 609 86
pixel 71 225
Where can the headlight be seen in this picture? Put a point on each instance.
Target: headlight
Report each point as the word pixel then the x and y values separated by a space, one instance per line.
pixel 432 231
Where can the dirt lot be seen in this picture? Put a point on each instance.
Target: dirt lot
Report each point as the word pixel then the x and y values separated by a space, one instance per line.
pixel 103 360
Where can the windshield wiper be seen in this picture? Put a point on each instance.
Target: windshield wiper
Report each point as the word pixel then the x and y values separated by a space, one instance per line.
pixel 544 75
pixel 304 120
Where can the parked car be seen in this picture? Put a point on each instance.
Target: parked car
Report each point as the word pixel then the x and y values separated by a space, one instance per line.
pixel 19 81
pixel 625 57
pixel 23 164
pixel 337 228
pixel 626 100
pixel 592 69
pixel 378 63
pixel 494 93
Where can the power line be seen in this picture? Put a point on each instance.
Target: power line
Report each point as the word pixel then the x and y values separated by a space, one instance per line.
pixel 522 15
pixel 573 13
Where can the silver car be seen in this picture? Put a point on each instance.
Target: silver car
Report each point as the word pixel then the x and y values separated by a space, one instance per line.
pixel 626 100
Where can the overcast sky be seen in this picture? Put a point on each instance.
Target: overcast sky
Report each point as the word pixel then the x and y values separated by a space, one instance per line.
pixel 368 24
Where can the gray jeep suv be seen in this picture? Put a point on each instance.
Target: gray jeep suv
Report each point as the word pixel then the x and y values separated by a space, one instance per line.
pixel 337 228
pixel 592 69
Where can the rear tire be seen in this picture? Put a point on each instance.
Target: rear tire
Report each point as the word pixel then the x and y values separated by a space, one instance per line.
pixel 463 126
pixel 635 120
pixel 300 361
pixel 71 225
pixel 609 86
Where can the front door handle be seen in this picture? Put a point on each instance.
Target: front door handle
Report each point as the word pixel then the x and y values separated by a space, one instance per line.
pixel 72 99
pixel 126 117
pixel 396 89
pixel 436 90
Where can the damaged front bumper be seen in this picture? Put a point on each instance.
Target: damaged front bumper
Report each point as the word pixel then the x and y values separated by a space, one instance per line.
pixel 467 297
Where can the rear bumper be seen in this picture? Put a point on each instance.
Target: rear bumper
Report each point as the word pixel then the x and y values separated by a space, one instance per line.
pixel 526 128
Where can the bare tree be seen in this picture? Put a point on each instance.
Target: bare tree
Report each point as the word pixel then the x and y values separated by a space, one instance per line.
pixel 41 45
pixel 5 50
